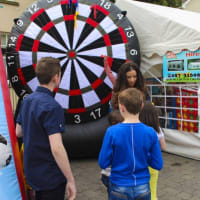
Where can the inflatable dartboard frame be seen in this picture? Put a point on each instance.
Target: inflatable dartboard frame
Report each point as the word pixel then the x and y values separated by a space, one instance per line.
pixel 78 33
pixel 11 177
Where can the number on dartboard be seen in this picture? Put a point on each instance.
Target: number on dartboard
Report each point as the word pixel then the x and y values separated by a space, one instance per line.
pixel 11 45
pixel 77 119
pixel 10 57
pixel 120 16
pixel 34 8
pixel 20 22
pixel 14 79
pixel 133 52
pixel 13 38
pixel 25 96
pixel 10 64
pixel 96 113
pixel 22 92
pixel 105 4
pixel 129 32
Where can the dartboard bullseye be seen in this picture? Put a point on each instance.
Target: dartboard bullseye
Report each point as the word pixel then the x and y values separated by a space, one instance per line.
pixel 78 33
pixel 71 54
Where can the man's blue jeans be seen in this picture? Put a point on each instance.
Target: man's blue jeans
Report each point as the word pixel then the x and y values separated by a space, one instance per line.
pixel 140 192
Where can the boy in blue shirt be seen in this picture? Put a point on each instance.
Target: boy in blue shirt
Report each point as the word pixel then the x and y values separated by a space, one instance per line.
pixel 129 148
pixel 41 122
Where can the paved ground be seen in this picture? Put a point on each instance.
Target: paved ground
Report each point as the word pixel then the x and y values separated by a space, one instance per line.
pixel 179 179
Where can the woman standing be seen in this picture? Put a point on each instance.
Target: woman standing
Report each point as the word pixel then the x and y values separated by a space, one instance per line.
pixel 129 75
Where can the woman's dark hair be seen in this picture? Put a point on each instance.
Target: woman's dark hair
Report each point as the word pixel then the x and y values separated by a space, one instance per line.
pixel 149 116
pixel 122 82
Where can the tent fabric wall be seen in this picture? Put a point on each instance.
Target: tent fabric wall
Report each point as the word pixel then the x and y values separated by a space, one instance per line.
pixel 182 143
pixel 147 63
pixel 161 29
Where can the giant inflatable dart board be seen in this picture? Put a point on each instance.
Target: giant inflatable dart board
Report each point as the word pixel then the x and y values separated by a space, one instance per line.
pixel 78 33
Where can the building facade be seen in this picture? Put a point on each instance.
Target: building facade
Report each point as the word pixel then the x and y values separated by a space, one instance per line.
pixel 192 5
pixel 10 10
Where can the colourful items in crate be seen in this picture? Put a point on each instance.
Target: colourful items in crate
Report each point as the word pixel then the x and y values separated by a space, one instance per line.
pixel 188 110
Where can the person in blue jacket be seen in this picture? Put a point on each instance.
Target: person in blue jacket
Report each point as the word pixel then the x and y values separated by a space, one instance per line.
pixel 129 148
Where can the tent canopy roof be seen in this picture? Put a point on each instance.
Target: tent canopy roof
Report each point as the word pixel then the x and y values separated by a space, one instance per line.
pixel 161 29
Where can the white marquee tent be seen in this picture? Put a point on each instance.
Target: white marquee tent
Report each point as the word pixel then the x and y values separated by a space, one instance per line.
pixel 161 29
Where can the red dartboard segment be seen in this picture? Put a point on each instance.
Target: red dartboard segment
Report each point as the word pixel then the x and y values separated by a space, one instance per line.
pixel 106 99
pixel 107 40
pixel 34 66
pixel 97 83
pixel 19 41
pixel 99 8
pixel 21 76
pixel 78 41
pixel 39 12
pixel 48 26
pixel 125 40
pixel 69 17
pixel 91 22
pixel 64 2
pixel 75 92
pixel 35 45
pixel 77 110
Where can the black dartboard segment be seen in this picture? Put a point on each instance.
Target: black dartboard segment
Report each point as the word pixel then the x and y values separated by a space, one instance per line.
pixel 78 33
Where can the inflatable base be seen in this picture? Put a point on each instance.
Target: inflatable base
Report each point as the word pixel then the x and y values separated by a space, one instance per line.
pixel 85 140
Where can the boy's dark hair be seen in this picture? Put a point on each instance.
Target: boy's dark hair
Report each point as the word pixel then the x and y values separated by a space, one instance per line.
pixel 46 68
pixel 149 116
pixel 132 99
pixel 115 117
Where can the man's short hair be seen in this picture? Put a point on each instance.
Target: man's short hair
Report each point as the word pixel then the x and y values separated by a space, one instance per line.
pixel 46 68
pixel 132 99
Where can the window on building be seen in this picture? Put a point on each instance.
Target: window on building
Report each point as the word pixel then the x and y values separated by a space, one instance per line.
pixel 4 39
pixel 10 2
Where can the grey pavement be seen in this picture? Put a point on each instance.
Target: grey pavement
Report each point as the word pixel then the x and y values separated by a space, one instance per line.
pixel 178 180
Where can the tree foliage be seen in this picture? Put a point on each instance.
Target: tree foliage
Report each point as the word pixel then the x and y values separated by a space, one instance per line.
pixel 170 3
